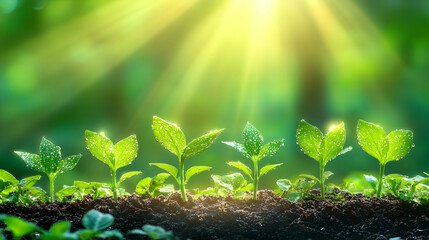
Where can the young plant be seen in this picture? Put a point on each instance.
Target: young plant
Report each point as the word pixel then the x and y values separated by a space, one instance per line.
pixel 295 191
pixel 115 156
pixel 80 189
pixel 252 148
pixel 384 148
pixel 321 148
pixel 95 224
pixel 154 186
pixel 234 184
pixel 171 137
pixel 20 192
pixel 49 161
pixel 154 233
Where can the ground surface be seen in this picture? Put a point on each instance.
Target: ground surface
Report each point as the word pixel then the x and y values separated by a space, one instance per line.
pixel 269 217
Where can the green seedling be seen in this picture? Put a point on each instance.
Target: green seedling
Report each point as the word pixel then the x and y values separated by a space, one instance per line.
pixel 154 232
pixel 411 185
pixel 384 148
pixel 171 137
pixel 80 189
pixel 115 156
pixel 321 148
pixel 295 191
pixel 252 148
pixel 20 192
pixel 234 184
pixel 394 183
pixel 49 161
pixel 155 186
pixel 95 224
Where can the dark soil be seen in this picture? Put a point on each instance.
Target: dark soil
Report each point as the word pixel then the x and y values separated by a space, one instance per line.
pixel 269 217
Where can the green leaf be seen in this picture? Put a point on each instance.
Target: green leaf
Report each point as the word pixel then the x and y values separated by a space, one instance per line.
pixel 294 197
pixel 195 170
pixel 327 174
pixel 125 151
pixel 69 163
pixel 310 177
pixel 309 139
pixel 169 135
pixel 400 144
pixel 242 167
pixel 271 148
pixel 158 181
pixel 252 140
pixel 67 191
pixel 268 168
pixel 372 181
pixel 100 147
pixel 232 182
pixel 155 232
pixel 128 175
pixel 111 234
pixel 32 161
pixel 239 147
pixel 284 184
pixel 165 189
pixel 372 139
pixel 97 221
pixel 30 181
pixel 143 186
pixel 50 156
pixel 345 150
pixel 18 227
pixel 333 143
pixel 200 144
pixel 7 177
pixel 82 186
pixel 60 227
pixel 167 167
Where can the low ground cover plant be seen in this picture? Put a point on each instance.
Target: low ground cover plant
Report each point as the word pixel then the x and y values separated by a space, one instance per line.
pixel 49 161
pixel 322 148
pixel 115 156
pixel 171 137
pixel 384 148
pixel 155 186
pixel 253 149
pixel 20 192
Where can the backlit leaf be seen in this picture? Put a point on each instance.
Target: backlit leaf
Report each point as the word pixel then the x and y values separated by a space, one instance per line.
pixel 371 180
pixel 69 163
pixel 32 161
pixel 125 151
pixel 232 182
pixel 100 147
pixel 284 184
pixel 18 227
pixel 327 174
pixel 268 168
pixel 333 143
pixel 309 139
pixel 310 177
pixel 200 144
pixel 372 139
pixel 167 167
pixel 7 177
pixel 128 175
pixel 400 144
pixel 195 170
pixel 252 140
pixel 30 181
pixel 271 148
pixel 242 167
pixel 158 181
pixel 50 156
pixel 143 186
pixel 239 147
pixel 169 135
pixel 60 227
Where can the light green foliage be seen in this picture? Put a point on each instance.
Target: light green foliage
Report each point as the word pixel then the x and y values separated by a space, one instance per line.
pixel 95 224
pixel 115 156
pixel 234 184
pixel 80 189
pixel 297 190
pixel 322 148
pixel 384 148
pixel 154 186
pixel 171 137
pixel 20 192
pixel 154 232
pixel 49 161
pixel 253 149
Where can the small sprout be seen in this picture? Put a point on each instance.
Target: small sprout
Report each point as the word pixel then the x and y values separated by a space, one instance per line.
pixel 322 148
pixel 171 137
pixel 95 224
pixel 115 156
pixel 234 184
pixel 384 148
pixel 154 233
pixel 252 148
pixel 295 191
pixel 49 162
pixel 20 192
pixel 154 186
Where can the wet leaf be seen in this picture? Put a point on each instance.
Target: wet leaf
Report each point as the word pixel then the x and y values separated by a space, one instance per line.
pixel 239 147
pixel 271 148
pixel 50 155
pixel 31 160
pixel 232 182
pixel 252 140
pixel 125 151
pixel 242 167
pixel 169 135
pixel 309 139
pixel 372 181
pixel 195 170
pixel 372 139
pixel 30 181
pixel 400 144
pixel 333 143
pixel 167 167
pixel 327 175
pixel 200 144
pixel 143 186
pixel 268 168
pixel 310 177
pixel 100 147
pixel 69 163
pixel 284 184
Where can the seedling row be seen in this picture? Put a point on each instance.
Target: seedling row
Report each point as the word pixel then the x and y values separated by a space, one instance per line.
pixel 321 147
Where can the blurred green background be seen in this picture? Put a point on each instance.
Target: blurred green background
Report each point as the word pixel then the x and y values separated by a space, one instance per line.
pixel 67 66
